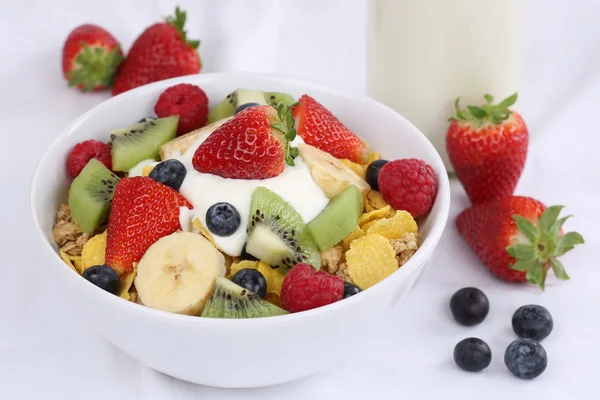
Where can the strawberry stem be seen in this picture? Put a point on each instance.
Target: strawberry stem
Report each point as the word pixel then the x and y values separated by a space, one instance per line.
pixel 179 23
pixel 94 66
pixel 287 127
pixel 494 113
pixel 540 244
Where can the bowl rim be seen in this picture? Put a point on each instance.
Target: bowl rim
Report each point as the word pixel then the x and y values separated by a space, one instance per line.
pixel 419 259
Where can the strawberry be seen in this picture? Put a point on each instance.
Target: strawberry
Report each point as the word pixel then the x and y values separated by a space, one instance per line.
pixel 320 128
pixel 518 238
pixel 90 58
pixel 143 210
pixel 254 144
pixel 487 147
pixel 162 51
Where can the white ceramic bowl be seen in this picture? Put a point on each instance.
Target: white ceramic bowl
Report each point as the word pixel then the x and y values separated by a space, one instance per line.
pixel 212 351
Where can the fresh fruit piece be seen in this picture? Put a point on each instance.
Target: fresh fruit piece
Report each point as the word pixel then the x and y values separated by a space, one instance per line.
pixel 90 58
pixel 187 101
pixel 472 354
pixel 408 184
pixel 244 106
pixel 247 256
pixel 526 358
pixel 222 219
pixel 94 250
pixel 162 51
pixel 177 273
pixel 141 141
pixel 331 174
pixel 84 152
pixel 178 146
pixel 370 260
pixel 254 144
pixel 359 169
pixel 518 238
pixel 275 98
pixel 232 301
pixel 373 173
pixel 277 234
pixel 273 277
pixel 338 219
pixel 305 288
pixel 170 173
pixel 487 147
pixel 90 195
pixel 104 277
pixel 143 211
pixel 532 322
pixel 350 290
pixel 469 306
pixel 252 280
pixel 232 103
pixel 320 128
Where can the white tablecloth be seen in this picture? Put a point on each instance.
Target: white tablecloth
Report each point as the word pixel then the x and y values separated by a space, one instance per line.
pixel 45 353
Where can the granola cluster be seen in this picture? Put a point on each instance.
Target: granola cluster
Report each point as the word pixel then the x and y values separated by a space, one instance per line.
pixel 67 234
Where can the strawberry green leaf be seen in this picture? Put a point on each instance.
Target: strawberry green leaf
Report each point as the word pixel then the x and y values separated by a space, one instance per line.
pixel 567 242
pixel 555 228
pixel 530 231
pixel 549 217
pixel 521 251
pixel 489 98
pixel 523 265
pixel 559 270
pixel 509 101
pixel 477 112
pixel 535 274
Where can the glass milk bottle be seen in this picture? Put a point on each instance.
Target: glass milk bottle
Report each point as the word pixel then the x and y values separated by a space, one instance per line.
pixel 423 54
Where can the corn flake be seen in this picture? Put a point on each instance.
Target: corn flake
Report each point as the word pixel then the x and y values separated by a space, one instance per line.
pixel 67 259
pixel 93 252
pixel 147 169
pixel 395 227
pixel 370 259
pixel 237 267
pixel 360 170
pixel 368 225
pixel 385 212
pixel 197 225
pixel 273 298
pixel 373 156
pixel 374 201
pixel 355 234
pixel 126 282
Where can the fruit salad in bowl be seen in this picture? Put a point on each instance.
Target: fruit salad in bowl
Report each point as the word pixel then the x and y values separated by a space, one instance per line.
pixel 200 209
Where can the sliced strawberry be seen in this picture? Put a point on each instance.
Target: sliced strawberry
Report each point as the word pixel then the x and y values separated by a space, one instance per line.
pixel 320 128
pixel 84 152
pixel 254 144
pixel 518 238
pixel 143 210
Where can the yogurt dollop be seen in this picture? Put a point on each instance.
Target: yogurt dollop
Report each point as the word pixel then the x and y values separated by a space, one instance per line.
pixel 294 184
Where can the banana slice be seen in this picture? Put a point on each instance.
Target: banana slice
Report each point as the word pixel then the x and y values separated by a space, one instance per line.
pixel 179 145
pixel 178 272
pixel 330 173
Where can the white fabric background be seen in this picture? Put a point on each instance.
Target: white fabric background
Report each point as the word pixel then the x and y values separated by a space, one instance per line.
pixel 46 354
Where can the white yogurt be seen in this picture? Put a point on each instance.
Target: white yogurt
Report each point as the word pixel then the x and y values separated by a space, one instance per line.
pixel 137 169
pixel 294 184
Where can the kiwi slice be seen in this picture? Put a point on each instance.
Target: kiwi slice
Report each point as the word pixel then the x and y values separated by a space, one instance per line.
pixel 91 194
pixel 140 141
pixel 338 218
pixel 226 108
pixel 229 300
pixel 277 234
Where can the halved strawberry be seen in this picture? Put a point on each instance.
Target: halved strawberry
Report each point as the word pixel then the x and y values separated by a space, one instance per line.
pixel 318 127
pixel 254 144
pixel 143 210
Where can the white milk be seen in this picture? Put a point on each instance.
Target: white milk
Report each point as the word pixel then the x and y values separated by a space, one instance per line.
pixel 423 54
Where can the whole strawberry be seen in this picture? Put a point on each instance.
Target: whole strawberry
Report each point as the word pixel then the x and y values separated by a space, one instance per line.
pixel 90 58
pixel 517 238
pixel 143 210
pixel 162 51
pixel 487 147
pixel 318 127
pixel 305 288
pixel 254 144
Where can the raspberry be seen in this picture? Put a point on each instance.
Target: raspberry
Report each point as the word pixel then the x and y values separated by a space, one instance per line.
pixel 84 152
pixel 187 101
pixel 305 288
pixel 409 184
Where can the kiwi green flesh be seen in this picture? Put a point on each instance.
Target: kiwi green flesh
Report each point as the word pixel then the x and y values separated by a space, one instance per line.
pixel 274 98
pixel 226 108
pixel 90 195
pixel 141 141
pixel 337 219
pixel 229 300
pixel 277 234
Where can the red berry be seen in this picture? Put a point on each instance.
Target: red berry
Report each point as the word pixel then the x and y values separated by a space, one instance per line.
pixel 187 101
pixel 84 152
pixel 305 288
pixel 409 184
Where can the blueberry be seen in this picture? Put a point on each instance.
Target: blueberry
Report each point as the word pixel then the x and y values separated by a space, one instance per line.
pixel 104 277
pixel 244 106
pixel 169 172
pixel 222 219
pixel 472 354
pixel 525 358
pixel 469 306
pixel 350 290
pixel 247 256
pixel 373 173
pixel 532 322
pixel 252 280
